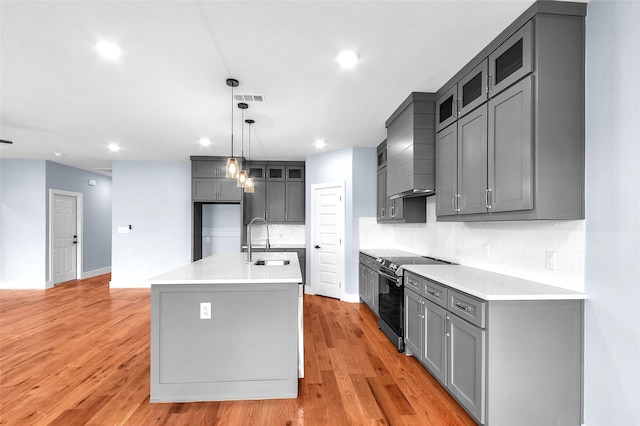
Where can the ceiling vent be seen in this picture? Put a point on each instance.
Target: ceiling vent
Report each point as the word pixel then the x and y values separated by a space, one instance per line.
pixel 249 98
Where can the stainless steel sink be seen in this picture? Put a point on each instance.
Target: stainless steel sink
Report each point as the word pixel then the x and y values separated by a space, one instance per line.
pixel 271 262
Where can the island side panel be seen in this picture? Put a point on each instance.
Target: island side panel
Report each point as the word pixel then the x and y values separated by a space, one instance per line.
pixel 247 350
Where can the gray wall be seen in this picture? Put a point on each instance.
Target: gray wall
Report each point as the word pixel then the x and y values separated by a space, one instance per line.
pixel 96 218
pixel 155 199
pixel 357 168
pixel 612 271
pixel 23 244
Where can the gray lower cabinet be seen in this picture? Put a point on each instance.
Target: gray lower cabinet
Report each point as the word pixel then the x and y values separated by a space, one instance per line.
pixel 368 283
pixel 505 361
pixel 466 373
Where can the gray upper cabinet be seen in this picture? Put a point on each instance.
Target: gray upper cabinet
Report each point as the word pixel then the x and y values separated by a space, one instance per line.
pixel 215 189
pixel 528 163
pixel 512 61
pixel 279 193
pixel 446 172
pixel 447 108
pixel 382 194
pixel 276 201
pixel 473 89
pixel 294 196
pixel 255 203
pixel 208 168
pixel 472 162
pixel 510 161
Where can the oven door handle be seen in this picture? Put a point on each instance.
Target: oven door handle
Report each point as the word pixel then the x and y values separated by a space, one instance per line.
pixel 389 277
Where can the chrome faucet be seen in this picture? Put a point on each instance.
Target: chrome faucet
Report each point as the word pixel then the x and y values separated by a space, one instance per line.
pixel 267 245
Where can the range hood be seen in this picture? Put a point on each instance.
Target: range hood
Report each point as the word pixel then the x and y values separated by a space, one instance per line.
pixel 411 147
pixel 414 193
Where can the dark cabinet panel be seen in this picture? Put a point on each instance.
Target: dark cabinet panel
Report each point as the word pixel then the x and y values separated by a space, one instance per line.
pixel 276 191
pixel 207 168
pixel 446 108
pixel 446 172
pixel 472 162
pixel 382 194
pixel 294 202
pixel 275 173
pixel 215 189
pixel 255 203
pixel 511 61
pixel 472 89
pixel 294 173
pixel 510 159
pixel 257 171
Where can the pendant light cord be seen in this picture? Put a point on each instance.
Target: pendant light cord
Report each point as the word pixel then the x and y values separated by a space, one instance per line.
pixel 232 121
pixel 242 134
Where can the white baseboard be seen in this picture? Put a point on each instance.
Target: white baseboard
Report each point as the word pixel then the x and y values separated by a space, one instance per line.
pixel 351 298
pixel 23 285
pixel 129 284
pixel 96 272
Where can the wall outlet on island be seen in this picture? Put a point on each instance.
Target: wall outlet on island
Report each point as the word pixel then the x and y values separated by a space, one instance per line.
pixel 205 310
pixel 550 260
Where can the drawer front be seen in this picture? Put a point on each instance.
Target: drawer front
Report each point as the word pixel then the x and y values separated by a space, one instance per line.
pixel 413 283
pixel 467 307
pixel 435 292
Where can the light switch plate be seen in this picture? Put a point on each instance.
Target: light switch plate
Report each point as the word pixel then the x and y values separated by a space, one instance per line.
pixel 123 229
pixel 205 310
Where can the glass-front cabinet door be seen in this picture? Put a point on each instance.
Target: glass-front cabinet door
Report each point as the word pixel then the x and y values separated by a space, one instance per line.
pixel 512 60
pixel 473 89
pixel 446 111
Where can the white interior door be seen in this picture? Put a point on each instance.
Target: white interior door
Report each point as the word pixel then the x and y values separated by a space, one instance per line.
pixel 327 239
pixel 65 238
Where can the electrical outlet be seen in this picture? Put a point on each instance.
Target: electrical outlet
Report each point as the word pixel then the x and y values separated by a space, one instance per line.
pixel 205 310
pixel 550 260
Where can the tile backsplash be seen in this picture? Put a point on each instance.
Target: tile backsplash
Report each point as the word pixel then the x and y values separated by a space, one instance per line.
pixel 512 248
pixel 278 234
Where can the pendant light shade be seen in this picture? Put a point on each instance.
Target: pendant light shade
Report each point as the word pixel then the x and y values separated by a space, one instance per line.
pixel 249 186
pixel 242 174
pixel 232 164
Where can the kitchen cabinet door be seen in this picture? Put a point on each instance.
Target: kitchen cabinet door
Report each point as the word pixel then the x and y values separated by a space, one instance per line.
pixel 466 374
pixel 413 323
pixel 362 285
pixel 382 194
pixel 446 108
pixel 434 355
pixel 257 171
pixel 255 202
pixel 276 172
pixel 276 192
pixel 208 168
pixel 511 61
pixel 472 162
pixel 295 173
pixel 294 202
pixel 472 89
pixel 229 190
pixel 397 209
pixel 510 147
pixel 447 171
pixel 372 291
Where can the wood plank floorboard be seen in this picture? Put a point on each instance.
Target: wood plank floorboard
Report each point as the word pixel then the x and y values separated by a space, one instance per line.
pixel 78 354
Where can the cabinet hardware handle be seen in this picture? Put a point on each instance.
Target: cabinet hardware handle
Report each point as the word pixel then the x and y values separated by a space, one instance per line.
pixel 393 211
pixel 381 212
pixel 448 335
pixel 434 293
pixel 464 308
pixel 487 196
pixel 457 202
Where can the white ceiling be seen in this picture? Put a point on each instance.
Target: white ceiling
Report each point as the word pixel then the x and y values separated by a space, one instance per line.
pixel 168 89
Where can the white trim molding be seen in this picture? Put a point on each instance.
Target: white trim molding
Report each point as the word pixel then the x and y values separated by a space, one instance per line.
pixel 96 272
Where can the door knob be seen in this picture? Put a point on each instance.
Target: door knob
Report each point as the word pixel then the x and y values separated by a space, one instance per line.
pixel 317 246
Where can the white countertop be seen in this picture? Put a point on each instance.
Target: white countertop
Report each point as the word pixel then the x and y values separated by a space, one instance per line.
pixel 490 285
pixel 232 268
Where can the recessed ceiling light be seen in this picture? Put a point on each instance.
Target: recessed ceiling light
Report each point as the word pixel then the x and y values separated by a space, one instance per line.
pixel 204 142
pixel 109 50
pixel 319 144
pixel 58 154
pixel 114 147
pixel 347 59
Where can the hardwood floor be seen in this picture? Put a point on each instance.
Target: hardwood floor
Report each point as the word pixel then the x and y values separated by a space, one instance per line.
pixel 79 354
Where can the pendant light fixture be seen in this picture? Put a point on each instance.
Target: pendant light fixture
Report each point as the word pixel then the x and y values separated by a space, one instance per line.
pixel 232 163
pixel 249 185
pixel 242 174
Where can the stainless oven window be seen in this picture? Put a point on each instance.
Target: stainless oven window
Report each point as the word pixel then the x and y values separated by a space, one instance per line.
pixel 390 301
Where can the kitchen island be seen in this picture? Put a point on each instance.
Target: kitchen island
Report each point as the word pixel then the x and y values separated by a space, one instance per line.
pixel 224 329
